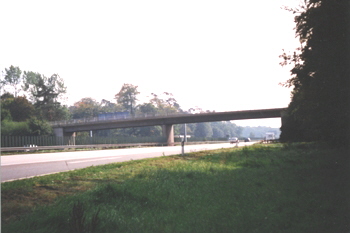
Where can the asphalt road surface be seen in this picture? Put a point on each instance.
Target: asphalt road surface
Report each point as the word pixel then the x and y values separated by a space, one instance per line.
pixel 14 167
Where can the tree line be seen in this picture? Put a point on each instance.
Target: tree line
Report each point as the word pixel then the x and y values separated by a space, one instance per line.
pixel 30 100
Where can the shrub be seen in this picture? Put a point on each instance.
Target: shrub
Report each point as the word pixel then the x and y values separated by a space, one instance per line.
pixel 14 128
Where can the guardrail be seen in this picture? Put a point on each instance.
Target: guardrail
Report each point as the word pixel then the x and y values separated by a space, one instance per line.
pixel 97 146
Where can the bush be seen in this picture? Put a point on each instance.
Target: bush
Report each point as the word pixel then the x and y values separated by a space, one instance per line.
pixel 39 127
pixel 14 128
pixel 32 127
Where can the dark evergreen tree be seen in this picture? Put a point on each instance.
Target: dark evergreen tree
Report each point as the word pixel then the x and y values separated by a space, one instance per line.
pixel 320 109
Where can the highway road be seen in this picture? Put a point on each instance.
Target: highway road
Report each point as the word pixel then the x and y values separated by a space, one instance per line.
pixel 23 166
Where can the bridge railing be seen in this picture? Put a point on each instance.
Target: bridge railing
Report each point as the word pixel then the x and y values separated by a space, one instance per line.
pixel 113 118
pixel 258 113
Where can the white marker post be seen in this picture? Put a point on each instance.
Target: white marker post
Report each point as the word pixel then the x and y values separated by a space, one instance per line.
pixel 183 146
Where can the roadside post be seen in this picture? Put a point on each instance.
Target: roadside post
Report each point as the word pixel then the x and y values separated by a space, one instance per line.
pixel 183 146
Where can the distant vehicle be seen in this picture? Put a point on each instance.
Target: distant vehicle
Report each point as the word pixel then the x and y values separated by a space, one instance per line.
pixel 233 140
pixel 247 140
pixel 269 136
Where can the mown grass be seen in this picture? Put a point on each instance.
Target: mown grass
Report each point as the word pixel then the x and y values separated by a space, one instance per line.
pixel 266 188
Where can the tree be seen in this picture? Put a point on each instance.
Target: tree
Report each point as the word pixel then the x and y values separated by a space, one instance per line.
pixel 150 131
pixel 165 106
pixel 39 127
pixel 320 108
pixel 6 99
pixel 108 106
pixel 218 133
pixel 127 97
pixel 45 92
pixel 19 108
pixel 203 130
pixel 226 128
pixel 148 109
pixel 85 108
pixel 13 78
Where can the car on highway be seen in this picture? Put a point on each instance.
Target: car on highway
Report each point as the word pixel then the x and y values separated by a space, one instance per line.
pixel 233 140
pixel 247 140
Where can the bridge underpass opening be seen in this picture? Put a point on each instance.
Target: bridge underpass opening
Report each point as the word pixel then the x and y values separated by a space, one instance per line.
pixel 60 133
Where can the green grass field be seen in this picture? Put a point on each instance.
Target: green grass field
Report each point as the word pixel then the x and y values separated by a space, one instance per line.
pixel 263 188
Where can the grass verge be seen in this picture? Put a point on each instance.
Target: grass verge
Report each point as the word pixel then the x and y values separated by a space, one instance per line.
pixel 265 188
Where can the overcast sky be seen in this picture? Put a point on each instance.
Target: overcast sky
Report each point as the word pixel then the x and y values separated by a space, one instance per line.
pixel 218 55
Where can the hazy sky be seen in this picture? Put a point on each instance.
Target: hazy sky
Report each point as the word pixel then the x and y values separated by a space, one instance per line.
pixel 218 55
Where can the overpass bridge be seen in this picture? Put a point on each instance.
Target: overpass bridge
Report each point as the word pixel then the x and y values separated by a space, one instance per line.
pixel 69 128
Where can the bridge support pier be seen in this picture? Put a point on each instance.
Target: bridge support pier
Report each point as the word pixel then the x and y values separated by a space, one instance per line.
pixel 168 132
pixel 64 138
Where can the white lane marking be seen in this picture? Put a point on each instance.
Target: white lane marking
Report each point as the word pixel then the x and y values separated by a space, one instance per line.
pixel 91 160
